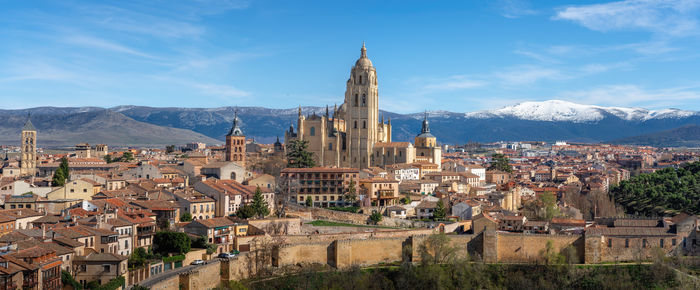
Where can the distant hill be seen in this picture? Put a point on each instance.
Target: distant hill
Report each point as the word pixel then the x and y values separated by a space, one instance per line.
pixel 545 121
pixel 685 136
pixel 92 125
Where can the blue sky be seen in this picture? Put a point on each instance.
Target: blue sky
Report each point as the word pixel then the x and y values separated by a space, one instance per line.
pixel 437 55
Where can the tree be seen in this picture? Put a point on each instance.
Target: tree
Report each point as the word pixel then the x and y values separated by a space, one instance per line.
pixel 375 217
pixel 351 193
pixel 62 173
pixel 259 204
pixel 550 256
pixel 107 158
pixel 127 156
pixel 163 224
pixel 201 243
pixel 440 212
pixel 436 249
pixel 166 242
pixel 500 162
pixel 298 156
pixel 186 217
pixel 169 149
pixel 246 211
pixel 549 208
pixel 309 201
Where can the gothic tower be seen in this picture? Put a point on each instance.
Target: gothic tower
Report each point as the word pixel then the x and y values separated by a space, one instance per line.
pixel 235 143
pixel 362 109
pixel 28 147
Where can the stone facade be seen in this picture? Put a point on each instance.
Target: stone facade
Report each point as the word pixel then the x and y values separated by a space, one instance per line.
pixel 28 149
pixel 355 135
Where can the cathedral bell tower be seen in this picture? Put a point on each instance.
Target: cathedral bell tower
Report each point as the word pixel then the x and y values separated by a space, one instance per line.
pixel 362 109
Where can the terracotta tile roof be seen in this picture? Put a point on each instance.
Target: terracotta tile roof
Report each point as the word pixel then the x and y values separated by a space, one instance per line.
pixel 215 222
pixel 320 170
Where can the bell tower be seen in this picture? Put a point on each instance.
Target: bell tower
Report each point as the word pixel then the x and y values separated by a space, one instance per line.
pixel 235 143
pixel 28 148
pixel 362 110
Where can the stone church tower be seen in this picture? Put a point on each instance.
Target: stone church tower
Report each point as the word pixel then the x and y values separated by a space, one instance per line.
pixel 361 110
pixel 235 143
pixel 28 149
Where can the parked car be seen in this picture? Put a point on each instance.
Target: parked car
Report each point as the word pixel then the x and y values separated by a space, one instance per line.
pixel 226 255
pixel 197 262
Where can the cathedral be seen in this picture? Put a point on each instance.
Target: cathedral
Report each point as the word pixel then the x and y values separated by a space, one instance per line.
pixel 354 135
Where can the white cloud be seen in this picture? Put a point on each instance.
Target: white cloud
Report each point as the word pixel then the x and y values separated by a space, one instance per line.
pixel 523 75
pixel 667 17
pixel 94 42
pixel 458 82
pixel 515 8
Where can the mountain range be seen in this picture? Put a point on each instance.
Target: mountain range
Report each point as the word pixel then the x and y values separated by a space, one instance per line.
pixel 137 125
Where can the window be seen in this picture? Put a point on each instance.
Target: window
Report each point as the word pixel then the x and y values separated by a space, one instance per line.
pixel 360 79
pixel 364 124
pixel 356 100
pixel 661 243
pixel 609 242
pixel 330 147
pixel 627 243
pixel 312 132
pixel 644 243
pixel 84 189
pixel 364 100
pixel 72 190
pixel 355 125
pixel 673 242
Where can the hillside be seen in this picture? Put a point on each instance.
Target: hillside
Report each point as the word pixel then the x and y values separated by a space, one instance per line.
pixel 68 127
pixel 545 121
pixel 666 192
pixel 686 136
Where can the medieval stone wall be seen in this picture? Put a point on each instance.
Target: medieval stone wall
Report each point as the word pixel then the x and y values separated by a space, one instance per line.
pixel 368 252
pixel 305 253
pixel 517 247
pixel 203 277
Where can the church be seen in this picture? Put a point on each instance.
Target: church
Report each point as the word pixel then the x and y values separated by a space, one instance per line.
pixel 354 135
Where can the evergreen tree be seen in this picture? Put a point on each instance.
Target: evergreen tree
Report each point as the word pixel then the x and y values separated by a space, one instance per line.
pixel 246 211
pixel 440 212
pixel 259 204
pixel 298 156
pixel 351 194
pixel 62 173
pixel 309 201
pixel 127 156
pixel 186 217
pixel 108 158
pixel 375 217
pixel 500 162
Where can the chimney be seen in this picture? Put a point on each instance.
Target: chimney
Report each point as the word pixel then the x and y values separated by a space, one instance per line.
pixel 43 231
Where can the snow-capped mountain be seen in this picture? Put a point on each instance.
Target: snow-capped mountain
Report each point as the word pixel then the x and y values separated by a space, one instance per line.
pixel 557 110
pixel 544 121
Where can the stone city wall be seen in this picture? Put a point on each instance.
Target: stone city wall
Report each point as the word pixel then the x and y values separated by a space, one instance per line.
pixel 518 247
pixel 171 283
pixel 368 252
pixel 305 253
pixel 620 249
pixel 203 277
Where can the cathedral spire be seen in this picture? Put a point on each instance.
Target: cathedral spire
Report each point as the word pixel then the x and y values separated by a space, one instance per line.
pixel 426 128
pixel 363 51
pixel 299 110
pixel 327 112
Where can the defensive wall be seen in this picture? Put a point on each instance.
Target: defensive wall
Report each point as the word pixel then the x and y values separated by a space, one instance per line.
pixel 345 250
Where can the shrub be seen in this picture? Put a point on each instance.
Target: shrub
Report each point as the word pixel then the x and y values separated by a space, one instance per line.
pixel 171 242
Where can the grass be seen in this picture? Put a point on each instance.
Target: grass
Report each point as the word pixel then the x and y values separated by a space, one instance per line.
pixel 320 223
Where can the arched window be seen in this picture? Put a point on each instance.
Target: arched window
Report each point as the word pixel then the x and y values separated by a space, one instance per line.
pixel 355 125
pixel 364 100
pixel 312 132
pixel 330 146
pixel 233 176
pixel 355 100
pixel 422 154
pixel 360 79
pixel 364 124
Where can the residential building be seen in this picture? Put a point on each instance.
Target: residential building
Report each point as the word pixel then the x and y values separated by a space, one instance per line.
pixel 325 186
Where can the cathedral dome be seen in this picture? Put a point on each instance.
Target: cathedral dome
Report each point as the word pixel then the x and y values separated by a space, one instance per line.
pixel 363 61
